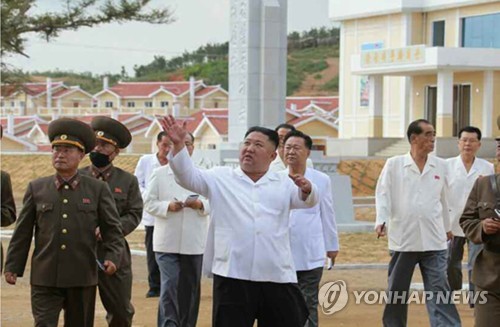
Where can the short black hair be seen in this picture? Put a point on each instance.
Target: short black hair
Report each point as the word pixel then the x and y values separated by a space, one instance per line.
pixel 160 135
pixel 272 135
pixel 285 126
pixel 470 129
pixel 307 139
pixel 414 128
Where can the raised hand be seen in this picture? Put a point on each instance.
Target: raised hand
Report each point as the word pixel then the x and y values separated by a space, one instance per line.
pixel 175 132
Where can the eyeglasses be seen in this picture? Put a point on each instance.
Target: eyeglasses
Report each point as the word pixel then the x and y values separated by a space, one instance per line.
pixel 294 148
pixel 471 141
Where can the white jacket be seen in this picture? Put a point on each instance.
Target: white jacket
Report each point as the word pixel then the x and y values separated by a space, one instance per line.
pixel 460 184
pixel 413 205
pixel 313 231
pixel 249 232
pixel 183 232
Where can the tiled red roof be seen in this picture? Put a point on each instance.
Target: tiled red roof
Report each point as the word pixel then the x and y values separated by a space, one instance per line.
pixel 63 91
pixel 297 120
pixel 7 90
pixel 206 90
pixel 325 103
pixel 144 89
pixel 32 89
pixel 219 119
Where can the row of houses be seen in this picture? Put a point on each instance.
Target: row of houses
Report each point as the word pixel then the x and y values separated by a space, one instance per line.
pixel 316 116
pixel 55 98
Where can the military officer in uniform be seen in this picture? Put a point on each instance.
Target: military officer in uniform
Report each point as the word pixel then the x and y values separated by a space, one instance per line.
pixel 116 291
pixel 62 212
pixel 481 225
pixel 8 204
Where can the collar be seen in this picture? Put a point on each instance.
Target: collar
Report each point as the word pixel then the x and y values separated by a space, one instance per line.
pixel 102 174
pixel 268 176
pixel 430 163
pixel 73 182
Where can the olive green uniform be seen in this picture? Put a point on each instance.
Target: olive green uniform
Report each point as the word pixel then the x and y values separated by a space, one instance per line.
pixel 116 290
pixel 486 271
pixel 8 207
pixel 63 218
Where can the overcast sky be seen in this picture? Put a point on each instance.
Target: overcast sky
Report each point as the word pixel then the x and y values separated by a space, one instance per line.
pixel 106 48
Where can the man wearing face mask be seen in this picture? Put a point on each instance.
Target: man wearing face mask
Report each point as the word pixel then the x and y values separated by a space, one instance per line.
pixel 116 291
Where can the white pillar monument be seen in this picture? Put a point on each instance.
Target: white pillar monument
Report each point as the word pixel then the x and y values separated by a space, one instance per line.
pixel 257 65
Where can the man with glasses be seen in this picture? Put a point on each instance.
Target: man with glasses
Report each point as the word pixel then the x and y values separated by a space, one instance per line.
pixel 463 170
pixel 412 206
pixel 62 212
pixel 481 224
pixel 279 163
pixel 116 291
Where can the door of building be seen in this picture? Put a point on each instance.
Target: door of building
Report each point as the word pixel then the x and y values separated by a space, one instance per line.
pixel 461 106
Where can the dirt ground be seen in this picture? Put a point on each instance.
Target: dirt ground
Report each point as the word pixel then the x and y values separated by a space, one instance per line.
pixel 16 310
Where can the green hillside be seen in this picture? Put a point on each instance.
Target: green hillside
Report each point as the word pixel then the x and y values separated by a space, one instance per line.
pixel 312 66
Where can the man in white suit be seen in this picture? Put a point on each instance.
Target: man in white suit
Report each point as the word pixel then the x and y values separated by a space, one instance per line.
pixel 145 166
pixel 463 170
pixel 179 236
pixel 313 231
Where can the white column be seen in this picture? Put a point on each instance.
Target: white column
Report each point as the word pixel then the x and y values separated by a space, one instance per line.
pixel 375 107
pixel 406 103
pixel 257 65
pixel 488 119
pixel 444 104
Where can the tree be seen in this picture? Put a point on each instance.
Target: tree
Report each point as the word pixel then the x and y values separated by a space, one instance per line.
pixel 18 19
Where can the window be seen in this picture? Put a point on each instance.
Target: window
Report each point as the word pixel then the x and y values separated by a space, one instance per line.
pixel 108 104
pixel 2 103
pixel 438 34
pixel 211 146
pixel 148 104
pixel 481 31
pixel 164 104
pixel 131 104
pixel 22 104
pixel 13 104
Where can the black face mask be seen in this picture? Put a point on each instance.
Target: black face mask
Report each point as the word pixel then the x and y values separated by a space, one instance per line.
pixel 98 159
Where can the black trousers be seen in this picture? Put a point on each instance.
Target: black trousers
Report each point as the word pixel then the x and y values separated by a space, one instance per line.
pixel 116 292
pixel 153 270
pixel 78 304
pixel 238 303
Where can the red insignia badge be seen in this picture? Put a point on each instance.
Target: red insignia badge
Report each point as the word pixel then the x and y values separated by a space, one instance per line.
pixel 86 201
pixel 118 190
pixel 437 177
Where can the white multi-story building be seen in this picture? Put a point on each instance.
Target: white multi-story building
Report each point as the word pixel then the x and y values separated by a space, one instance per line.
pixel 401 60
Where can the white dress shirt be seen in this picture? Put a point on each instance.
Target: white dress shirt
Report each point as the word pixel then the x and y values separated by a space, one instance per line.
pixel 413 205
pixel 184 231
pixel 460 184
pixel 145 166
pixel 248 236
pixel 313 231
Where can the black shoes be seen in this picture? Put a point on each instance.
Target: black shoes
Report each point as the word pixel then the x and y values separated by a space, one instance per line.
pixel 153 293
